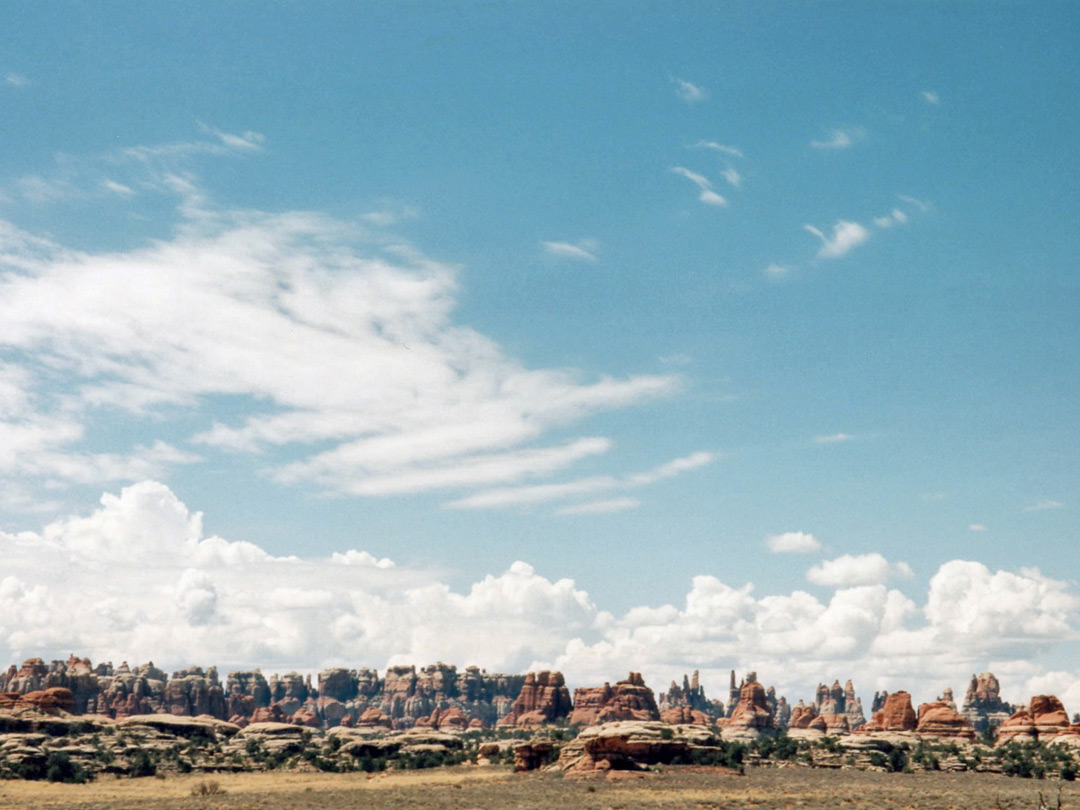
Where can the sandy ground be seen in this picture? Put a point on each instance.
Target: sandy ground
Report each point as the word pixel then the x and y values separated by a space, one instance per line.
pixel 496 788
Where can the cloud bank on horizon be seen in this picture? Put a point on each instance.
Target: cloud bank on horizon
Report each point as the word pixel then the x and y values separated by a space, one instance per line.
pixel 138 579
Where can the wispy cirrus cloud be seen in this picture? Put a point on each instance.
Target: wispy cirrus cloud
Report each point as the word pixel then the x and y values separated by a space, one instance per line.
pixel 583 250
pixel 544 493
pixel 730 151
pixel 606 507
pixel 930 97
pixel 846 236
pixel 688 92
pixel 16 80
pixel 1043 506
pixel 833 438
pixel 706 195
pixel 894 217
pixel 235 304
pixel 840 139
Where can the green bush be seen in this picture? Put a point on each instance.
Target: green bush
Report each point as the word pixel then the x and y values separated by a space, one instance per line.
pixel 142 765
pixel 60 768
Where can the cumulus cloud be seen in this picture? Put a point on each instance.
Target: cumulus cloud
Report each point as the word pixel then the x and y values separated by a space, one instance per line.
pixel 850 570
pixel 792 543
pixel 845 237
pixel 235 305
pixel 706 195
pixel 690 93
pixel 138 578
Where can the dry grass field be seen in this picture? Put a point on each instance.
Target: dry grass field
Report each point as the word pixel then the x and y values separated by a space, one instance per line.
pixel 465 788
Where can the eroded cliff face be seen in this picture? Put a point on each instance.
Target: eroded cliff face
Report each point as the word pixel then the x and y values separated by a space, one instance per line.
pixel 629 699
pixel 436 696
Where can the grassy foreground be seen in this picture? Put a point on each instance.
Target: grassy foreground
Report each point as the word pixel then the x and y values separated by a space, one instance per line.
pixel 470 788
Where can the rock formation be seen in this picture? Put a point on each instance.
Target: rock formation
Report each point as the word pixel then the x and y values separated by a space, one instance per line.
pixel 983 707
pixel 840 700
pixel 544 698
pixel 940 719
pixel 631 699
pixel 895 714
pixel 690 696
pixel 1043 719
pixel 752 714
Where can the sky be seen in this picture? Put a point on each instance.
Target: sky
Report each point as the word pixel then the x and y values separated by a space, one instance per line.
pixel 592 336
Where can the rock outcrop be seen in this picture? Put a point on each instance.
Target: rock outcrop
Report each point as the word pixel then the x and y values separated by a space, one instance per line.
pixel 940 719
pixel 1043 719
pixel 753 715
pixel 983 707
pixel 544 698
pixel 895 714
pixel 630 699
pixel 691 696
pixel 632 745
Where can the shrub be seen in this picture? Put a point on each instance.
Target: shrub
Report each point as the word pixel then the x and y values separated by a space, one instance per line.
pixel 142 765
pixel 60 768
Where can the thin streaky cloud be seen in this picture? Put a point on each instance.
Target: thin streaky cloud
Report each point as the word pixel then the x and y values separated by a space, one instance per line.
pixel 838 139
pixel 719 147
pixel 920 204
pixel 16 80
pixel 543 493
pixel 930 97
pixel 607 507
pixel 689 92
pixel 977 527
pixel 569 250
pixel 707 195
pixel 732 176
pixel 835 438
pixel 894 217
pixel 1043 506
pixel 117 188
pixel 845 237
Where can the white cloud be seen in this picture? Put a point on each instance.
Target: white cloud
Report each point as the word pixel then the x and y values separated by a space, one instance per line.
pixel 690 93
pixel 845 237
pixel 235 305
pixel 1043 506
pixel 731 151
pixel 895 217
pixel 545 493
pixel 707 195
pixel 792 543
pixel 600 507
pixel 776 271
pixel 920 204
pixel 584 250
pixel 163 590
pixel 840 139
pixel 849 571
pixel 732 176
pixel 16 80
pixel 835 438
pixel 930 97
pixel 977 527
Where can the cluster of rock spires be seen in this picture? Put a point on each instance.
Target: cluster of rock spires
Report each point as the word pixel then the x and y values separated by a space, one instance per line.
pixel 439 697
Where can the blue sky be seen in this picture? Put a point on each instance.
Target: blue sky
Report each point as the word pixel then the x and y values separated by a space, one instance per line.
pixel 585 316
